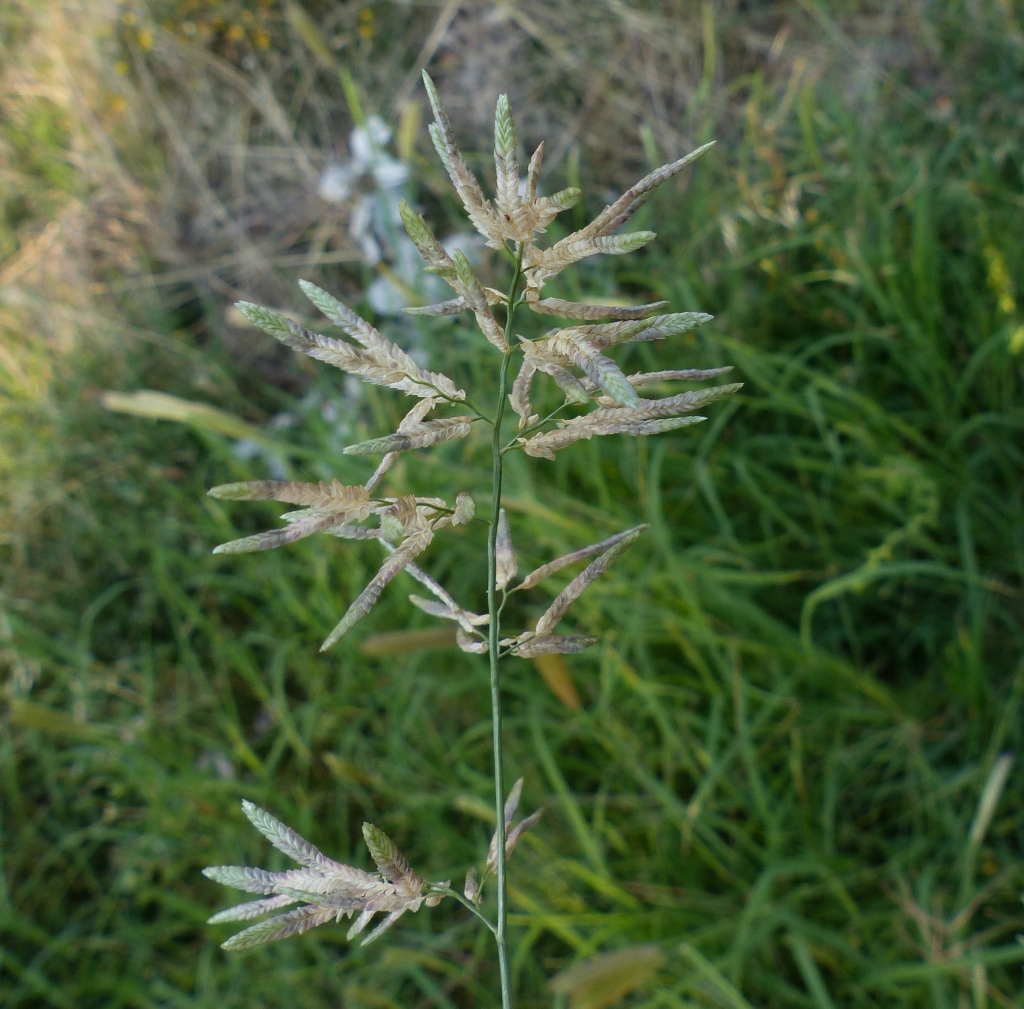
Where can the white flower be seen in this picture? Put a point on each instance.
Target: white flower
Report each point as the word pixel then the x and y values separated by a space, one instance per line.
pixel 370 181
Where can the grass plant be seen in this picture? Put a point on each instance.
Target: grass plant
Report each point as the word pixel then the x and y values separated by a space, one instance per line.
pixel 756 792
pixel 407 524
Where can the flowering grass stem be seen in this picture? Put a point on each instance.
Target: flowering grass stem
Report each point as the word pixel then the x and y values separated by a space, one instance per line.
pixel 494 614
pixel 405 525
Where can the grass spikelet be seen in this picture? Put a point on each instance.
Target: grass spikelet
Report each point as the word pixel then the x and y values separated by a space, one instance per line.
pixel 392 864
pixel 301 526
pixel 465 509
pixel 575 310
pixel 251 909
pixel 546 444
pixel 476 298
pixel 430 432
pixel 546 644
pixel 272 323
pixel 286 840
pixel 454 306
pixel 547 208
pixel 480 212
pixel 312 495
pixel 437 259
pixel 519 398
pixel 506 166
pixel 538 575
pixel 367 599
pixel 619 212
pixel 538 356
pixel 507 565
pixel 585 578
pixel 378 366
pixel 542 266
pixel 293 922
pixel 533 174
pixel 599 369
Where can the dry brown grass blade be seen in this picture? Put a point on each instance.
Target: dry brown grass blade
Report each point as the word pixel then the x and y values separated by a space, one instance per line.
pixel 605 978
pixel 554 671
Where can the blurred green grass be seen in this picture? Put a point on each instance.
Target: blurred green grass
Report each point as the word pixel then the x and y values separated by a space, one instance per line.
pixel 808 670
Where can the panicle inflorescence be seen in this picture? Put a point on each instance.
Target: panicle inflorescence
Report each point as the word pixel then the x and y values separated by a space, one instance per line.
pixel 325 889
pixel 574 356
pixel 599 399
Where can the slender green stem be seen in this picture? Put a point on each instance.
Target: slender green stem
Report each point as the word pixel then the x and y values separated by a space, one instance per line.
pixel 469 905
pixel 534 427
pixel 494 613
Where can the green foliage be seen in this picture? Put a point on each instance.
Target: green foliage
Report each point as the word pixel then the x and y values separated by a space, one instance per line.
pixel 777 772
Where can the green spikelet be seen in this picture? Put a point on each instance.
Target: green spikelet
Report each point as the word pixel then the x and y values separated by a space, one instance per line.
pixel 504 129
pixel 270 322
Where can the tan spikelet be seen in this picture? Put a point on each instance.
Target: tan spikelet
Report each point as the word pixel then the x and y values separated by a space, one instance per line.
pixel 379 366
pixel 670 406
pixel 642 378
pixel 533 174
pixel 480 212
pixel 538 355
pixel 437 259
pixel 431 432
pixel 454 306
pixel 586 577
pixel 547 644
pixel 300 525
pixel 538 575
pixel 576 310
pixel 546 444
pixel 542 265
pixel 569 345
pixel 506 169
pixel 312 495
pixel 616 214
pixel 367 599
pixel 505 554
pixel 519 398
pixel 473 291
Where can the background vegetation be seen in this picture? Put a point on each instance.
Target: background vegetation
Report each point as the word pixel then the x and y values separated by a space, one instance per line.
pixel 780 773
